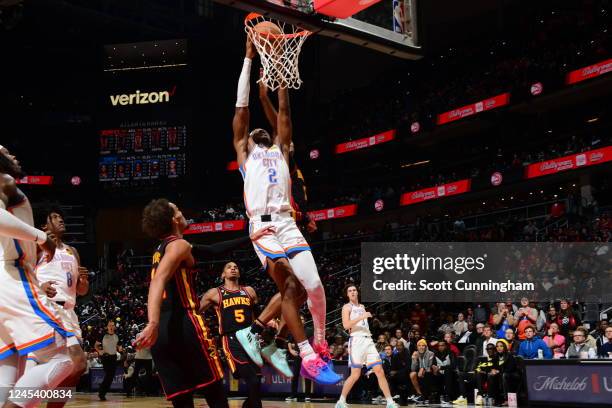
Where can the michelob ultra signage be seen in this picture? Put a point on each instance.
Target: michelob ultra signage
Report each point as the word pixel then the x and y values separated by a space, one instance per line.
pixel 142 98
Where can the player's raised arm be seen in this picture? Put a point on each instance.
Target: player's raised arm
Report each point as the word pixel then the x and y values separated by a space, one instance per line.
pixel 240 123
pixel 284 126
pixel 269 109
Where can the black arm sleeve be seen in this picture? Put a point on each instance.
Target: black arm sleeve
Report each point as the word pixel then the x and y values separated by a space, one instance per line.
pixel 220 247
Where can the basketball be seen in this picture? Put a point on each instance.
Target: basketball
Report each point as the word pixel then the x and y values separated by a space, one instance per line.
pixel 267 27
pixel 268 32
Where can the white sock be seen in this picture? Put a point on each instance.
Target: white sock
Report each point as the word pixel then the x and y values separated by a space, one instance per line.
pixel 305 269
pixel 305 349
pixel 342 398
pixel 244 85
pixel 390 400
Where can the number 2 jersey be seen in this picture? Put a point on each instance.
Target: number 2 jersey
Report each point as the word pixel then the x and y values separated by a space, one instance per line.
pixel 235 310
pixel 267 182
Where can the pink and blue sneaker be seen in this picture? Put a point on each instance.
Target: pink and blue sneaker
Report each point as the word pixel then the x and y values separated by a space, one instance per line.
pixel 315 369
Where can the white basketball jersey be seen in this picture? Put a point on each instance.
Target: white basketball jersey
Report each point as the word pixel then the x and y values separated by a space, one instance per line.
pixel 64 270
pixel 13 249
pixel 362 328
pixel 267 182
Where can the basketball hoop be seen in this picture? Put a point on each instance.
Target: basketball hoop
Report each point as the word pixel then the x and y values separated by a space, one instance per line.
pixel 279 45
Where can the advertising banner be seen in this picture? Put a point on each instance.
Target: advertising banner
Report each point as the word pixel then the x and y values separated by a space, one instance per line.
pixel 221 226
pixel 336 212
pixel 571 162
pixel 591 71
pixel 474 108
pixel 431 193
pixel 365 142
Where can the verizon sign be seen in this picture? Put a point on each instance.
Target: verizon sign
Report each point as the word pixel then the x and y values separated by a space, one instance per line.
pixel 573 382
pixel 571 162
pixel 142 98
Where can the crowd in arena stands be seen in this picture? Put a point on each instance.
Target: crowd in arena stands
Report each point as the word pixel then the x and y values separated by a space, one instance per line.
pixel 549 40
pixel 485 161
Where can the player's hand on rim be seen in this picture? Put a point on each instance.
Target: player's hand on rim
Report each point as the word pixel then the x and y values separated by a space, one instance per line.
pixel 251 52
pixel 147 337
pixel 269 230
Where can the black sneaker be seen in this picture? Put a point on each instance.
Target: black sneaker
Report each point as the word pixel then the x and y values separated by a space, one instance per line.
pixel 419 399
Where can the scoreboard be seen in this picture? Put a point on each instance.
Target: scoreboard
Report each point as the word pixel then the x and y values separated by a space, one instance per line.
pixel 142 152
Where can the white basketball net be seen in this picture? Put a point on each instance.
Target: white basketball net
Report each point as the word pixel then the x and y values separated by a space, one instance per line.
pixel 279 53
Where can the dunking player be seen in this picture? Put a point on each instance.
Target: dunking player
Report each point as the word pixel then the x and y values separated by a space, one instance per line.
pixel 235 308
pixel 185 355
pixel 28 320
pixel 362 350
pixel 62 280
pixel 286 254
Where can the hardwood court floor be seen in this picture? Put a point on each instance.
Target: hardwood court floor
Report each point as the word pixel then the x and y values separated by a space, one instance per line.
pixel 120 401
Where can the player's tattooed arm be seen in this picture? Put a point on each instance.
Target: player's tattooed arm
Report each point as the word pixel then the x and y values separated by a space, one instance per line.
pixel 210 298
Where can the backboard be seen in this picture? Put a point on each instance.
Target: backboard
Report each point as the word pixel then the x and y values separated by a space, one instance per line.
pixel 389 26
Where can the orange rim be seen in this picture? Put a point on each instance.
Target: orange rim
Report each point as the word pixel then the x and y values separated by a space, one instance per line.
pixel 253 16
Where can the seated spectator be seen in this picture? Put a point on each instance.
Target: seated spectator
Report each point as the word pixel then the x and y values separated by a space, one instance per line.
pixel 510 372
pixel 600 333
pixel 579 348
pixel 399 336
pixel 513 343
pixel 420 371
pixel 486 339
pixel 399 371
pixel 449 338
pixel 605 350
pixel 567 320
pixel 532 344
pixel 460 326
pixel 337 349
pixel 469 337
pixel 524 317
pixel 381 343
pixel 443 370
pixel 448 326
pixel 502 320
pixel 489 372
pixel 555 341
